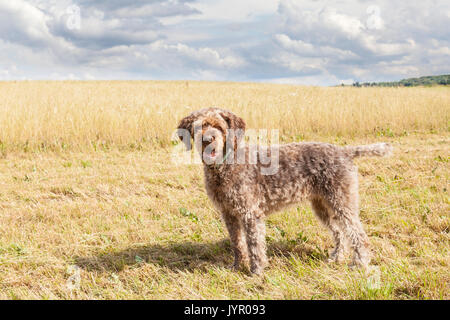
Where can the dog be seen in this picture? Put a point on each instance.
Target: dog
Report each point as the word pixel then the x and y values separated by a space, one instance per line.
pixel 322 173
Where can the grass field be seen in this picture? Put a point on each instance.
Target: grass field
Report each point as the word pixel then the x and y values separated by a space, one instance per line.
pixel 91 207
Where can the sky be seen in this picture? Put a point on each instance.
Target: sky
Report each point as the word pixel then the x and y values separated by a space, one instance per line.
pixel 315 42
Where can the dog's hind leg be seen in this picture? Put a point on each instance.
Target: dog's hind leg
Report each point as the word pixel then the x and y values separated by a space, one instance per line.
pixel 357 237
pixel 323 214
pixel 345 209
pixel 238 243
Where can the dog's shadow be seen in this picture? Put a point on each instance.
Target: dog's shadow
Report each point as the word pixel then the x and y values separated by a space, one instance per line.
pixel 185 256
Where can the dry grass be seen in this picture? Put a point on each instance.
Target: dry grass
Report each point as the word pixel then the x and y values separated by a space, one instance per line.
pixel 90 185
pixel 87 116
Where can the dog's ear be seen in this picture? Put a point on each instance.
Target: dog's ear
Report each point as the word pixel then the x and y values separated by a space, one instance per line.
pixel 234 122
pixel 185 130
pixel 236 126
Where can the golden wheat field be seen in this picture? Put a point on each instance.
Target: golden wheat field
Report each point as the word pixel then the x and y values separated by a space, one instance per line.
pixel 92 207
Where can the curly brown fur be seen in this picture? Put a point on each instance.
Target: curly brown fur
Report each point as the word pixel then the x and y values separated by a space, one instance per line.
pixel 322 173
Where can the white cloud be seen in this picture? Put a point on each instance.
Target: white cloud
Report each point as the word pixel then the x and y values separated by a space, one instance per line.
pixel 360 39
pixel 301 41
pixel 379 48
pixel 442 51
pixel 157 9
pixel 346 24
pixel 308 49
pixel 235 10
pixel 206 55
pixel 22 22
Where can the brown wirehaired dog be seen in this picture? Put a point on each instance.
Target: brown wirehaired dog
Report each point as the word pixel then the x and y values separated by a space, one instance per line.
pixel 322 173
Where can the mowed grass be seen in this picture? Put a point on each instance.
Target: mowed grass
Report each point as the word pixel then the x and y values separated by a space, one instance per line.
pixel 92 207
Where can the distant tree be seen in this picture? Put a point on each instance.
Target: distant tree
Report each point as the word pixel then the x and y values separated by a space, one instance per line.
pixel 410 82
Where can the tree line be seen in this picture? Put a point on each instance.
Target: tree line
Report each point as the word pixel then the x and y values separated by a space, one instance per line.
pixel 410 82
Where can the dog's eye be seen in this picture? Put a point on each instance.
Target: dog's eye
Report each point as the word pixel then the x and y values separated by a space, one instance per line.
pixel 209 138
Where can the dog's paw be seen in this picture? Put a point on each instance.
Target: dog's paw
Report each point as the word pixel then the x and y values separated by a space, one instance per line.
pixel 337 258
pixel 256 270
pixel 234 267
pixel 360 263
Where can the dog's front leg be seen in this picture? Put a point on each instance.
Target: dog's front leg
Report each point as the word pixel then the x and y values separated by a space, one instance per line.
pixel 236 230
pixel 255 230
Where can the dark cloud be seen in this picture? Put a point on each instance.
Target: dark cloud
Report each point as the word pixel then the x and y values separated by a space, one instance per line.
pixel 141 8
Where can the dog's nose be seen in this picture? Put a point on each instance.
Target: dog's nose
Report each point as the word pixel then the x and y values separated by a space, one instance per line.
pixel 208 138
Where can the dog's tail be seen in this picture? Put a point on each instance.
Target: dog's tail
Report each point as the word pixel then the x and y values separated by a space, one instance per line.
pixel 371 150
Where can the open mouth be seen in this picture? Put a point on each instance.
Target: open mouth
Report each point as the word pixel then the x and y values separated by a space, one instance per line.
pixel 210 156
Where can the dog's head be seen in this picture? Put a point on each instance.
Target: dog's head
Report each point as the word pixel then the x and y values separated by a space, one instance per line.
pixel 215 131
